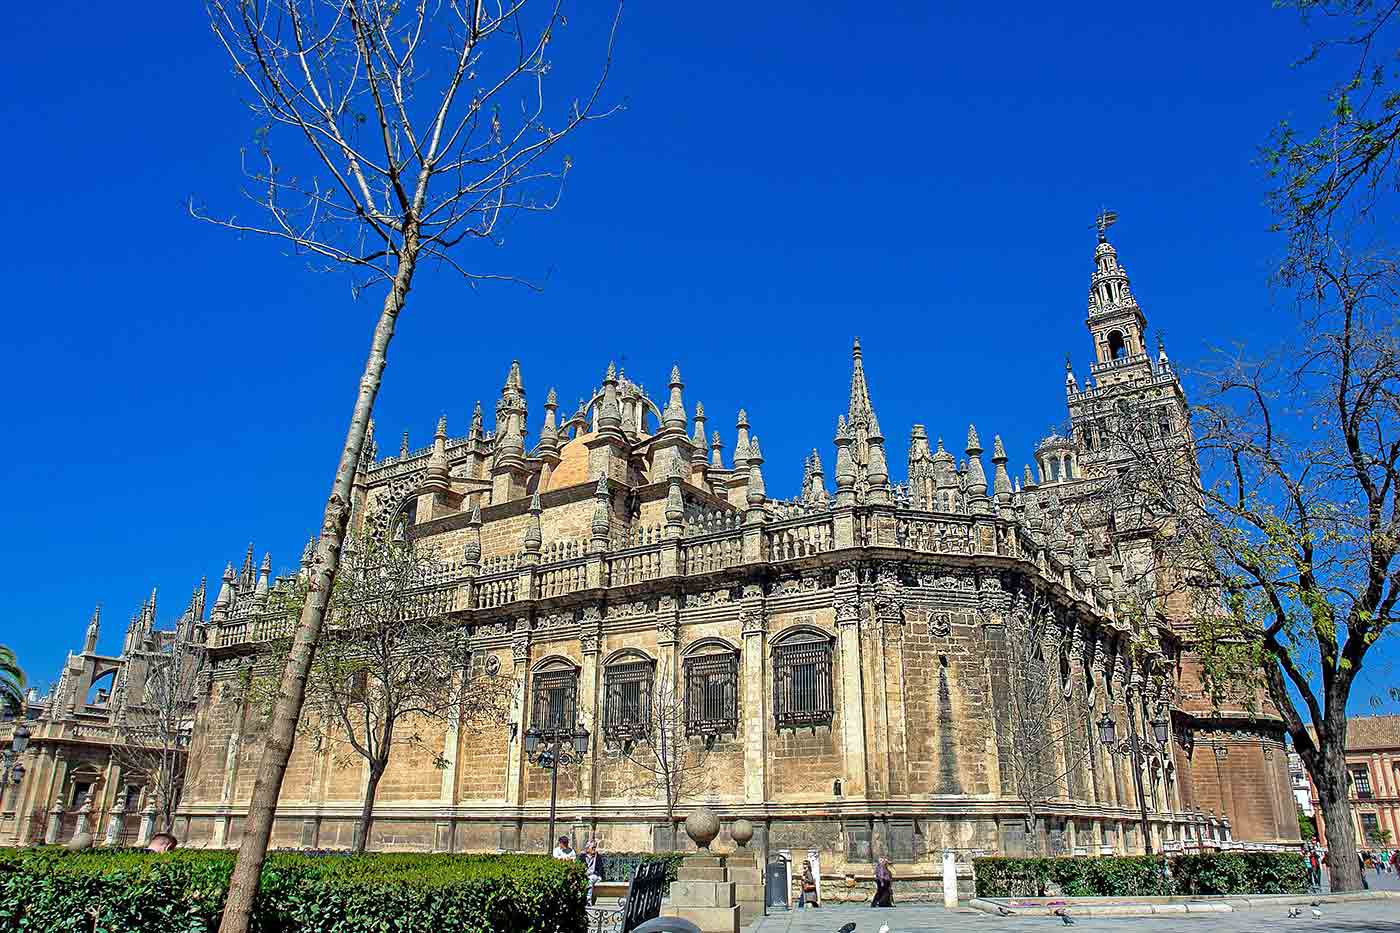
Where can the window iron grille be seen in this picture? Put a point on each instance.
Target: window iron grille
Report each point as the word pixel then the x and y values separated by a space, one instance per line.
pixel 554 707
pixel 1361 780
pixel 712 695
pixel 802 694
pixel 627 701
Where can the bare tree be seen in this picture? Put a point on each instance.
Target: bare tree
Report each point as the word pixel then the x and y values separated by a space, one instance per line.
pixel 413 130
pixel 1048 727
pixel 391 670
pixel 152 730
pixel 1282 538
pixel 648 736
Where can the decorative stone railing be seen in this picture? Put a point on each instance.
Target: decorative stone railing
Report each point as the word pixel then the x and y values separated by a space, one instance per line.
pixel 562 580
pixel 708 543
pixel 717 551
pixel 934 535
pixel 636 566
pixel 801 537
pixel 496 591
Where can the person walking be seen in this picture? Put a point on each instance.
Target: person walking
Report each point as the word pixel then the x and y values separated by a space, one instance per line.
pixel 1361 860
pixel 593 865
pixel 564 851
pixel 1395 861
pixel 1314 869
pixel 808 894
pixel 884 884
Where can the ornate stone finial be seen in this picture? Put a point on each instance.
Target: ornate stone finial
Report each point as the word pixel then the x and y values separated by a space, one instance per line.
pixel 1001 480
pixel 673 415
pixel 476 432
pixel 974 446
pixel 741 443
pixel 610 412
pixel 976 477
pixel 702 826
pixel 225 597
pixel 716 451
pixel 90 642
pixel 697 440
pixel 513 377
pixel 1028 481
pixel 602 510
pixel 264 572
pixel 533 537
pixel 435 477
pixel 471 548
pixel 756 492
pixel 403 447
pixel 549 434
pixel 675 502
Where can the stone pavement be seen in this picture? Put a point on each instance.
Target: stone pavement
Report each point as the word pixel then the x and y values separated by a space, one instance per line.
pixel 1381 915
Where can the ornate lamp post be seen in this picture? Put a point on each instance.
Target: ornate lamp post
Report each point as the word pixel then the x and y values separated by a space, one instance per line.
pixel 552 750
pixel 1139 748
pixel 11 768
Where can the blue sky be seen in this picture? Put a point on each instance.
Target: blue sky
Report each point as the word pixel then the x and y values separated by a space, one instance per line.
pixel 921 175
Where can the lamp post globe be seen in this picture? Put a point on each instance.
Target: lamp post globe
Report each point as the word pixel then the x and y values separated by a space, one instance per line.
pixel 1107 730
pixel 1159 730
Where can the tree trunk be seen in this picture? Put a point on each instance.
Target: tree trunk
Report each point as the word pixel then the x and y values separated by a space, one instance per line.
pixel 277 749
pixel 1331 782
pixel 376 772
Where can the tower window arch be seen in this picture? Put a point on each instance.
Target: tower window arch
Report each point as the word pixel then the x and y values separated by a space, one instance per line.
pixel 1117 349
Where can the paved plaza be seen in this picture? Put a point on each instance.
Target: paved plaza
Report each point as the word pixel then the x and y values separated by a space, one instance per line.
pixel 1382 914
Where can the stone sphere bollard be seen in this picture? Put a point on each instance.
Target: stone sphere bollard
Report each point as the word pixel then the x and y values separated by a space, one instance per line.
pixel 80 841
pixel 702 826
pixel 741 831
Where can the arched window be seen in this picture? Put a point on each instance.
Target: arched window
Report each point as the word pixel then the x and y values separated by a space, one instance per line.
pixel 627 690
pixel 83 781
pixel 712 691
pixel 554 698
pixel 802 694
pixel 1116 347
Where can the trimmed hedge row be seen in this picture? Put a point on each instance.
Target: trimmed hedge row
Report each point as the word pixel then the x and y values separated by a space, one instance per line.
pixel 53 889
pixel 1143 875
pixel 618 866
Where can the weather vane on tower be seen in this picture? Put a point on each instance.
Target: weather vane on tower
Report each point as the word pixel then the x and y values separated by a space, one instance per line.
pixel 1106 219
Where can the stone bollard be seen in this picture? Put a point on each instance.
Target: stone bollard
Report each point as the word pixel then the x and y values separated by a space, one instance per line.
pixel 702 892
pixel 115 821
pixel 55 827
pixel 82 831
pixel 148 824
pixel 950 879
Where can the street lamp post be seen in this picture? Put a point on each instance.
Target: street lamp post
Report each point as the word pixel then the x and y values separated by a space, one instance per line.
pixel 11 768
pixel 1139 748
pixel 550 751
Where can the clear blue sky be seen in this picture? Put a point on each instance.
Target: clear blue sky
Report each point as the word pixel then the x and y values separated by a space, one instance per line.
pixel 785 176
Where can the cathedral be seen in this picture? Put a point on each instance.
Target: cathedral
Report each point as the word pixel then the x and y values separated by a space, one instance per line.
pixel 842 655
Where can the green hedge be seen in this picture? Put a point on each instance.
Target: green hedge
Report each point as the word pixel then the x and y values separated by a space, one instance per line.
pixel 53 889
pixel 1143 875
pixel 618 866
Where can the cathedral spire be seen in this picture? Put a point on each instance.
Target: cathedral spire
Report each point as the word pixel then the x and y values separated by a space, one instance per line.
pixel 435 478
pixel 90 643
pixel 476 432
pixel 673 415
pixel 1001 480
pixel 697 440
pixel 741 443
pixel 976 477
pixel 860 407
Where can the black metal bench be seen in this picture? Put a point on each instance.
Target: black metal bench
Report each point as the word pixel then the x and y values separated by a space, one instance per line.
pixel 642 903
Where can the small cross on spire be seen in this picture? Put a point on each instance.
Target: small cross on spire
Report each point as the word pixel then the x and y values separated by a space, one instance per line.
pixel 1106 219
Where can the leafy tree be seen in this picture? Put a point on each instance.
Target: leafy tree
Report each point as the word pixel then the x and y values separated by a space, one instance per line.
pixel 1307 827
pixel 1380 837
pixel 1281 540
pixel 413 130
pixel 11 681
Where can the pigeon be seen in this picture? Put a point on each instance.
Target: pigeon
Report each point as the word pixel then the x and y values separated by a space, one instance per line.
pixel 1317 914
pixel 1315 904
pixel 1004 912
pixel 884 928
pixel 1294 913
pixel 1064 916
pixel 847 928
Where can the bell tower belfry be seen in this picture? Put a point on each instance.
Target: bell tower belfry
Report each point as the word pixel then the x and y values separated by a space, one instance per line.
pixel 1115 321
